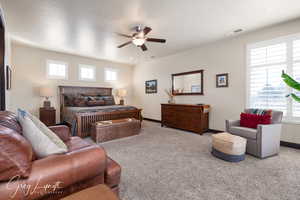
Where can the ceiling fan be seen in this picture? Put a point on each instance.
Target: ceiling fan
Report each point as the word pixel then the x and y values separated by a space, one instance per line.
pixel 139 38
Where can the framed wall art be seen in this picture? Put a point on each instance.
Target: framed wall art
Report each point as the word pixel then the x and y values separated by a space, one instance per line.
pixel 151 86
pixel 222 80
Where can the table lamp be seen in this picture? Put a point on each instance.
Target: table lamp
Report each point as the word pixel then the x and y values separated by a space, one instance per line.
pixel 47 93
pixel 122 93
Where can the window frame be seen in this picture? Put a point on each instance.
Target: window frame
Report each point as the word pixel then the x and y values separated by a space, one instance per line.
pixel 288 40
pixel 111 70
pixel 49 61
pixel 86 66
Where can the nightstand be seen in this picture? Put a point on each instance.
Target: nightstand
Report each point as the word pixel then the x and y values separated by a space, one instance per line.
pixel 47 116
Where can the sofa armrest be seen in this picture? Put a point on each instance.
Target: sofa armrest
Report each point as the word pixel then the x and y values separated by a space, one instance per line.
pixel 51 174
pixel 269 130
pixel 230 123
pixel 62 131
pixel 268 138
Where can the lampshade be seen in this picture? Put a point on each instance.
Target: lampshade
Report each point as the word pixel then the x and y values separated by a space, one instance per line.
pixel 122 93
pixel 46 92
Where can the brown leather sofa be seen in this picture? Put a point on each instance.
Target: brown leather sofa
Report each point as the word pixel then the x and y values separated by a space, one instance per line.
pixel 83 166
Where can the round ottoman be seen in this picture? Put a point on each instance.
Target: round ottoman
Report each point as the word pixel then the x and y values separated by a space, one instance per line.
pixel 229 147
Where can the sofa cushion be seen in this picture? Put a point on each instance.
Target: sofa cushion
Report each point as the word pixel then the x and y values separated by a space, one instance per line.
pixel 43 140
pixel 10 120
pixel 243 132
pixel 57 172
pixel 15 155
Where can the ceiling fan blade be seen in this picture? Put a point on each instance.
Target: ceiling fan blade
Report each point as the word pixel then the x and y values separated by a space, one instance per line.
pixel 122 45
pixel 144 48
pixel 124 35
pixel 156 40
pixel 147 30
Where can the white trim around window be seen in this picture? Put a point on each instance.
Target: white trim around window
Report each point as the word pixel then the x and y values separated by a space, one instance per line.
pixel 86 72
pixel 58 70
pixel 265 87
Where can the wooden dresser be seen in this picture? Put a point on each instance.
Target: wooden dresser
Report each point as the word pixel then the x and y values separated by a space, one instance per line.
pixel 190 117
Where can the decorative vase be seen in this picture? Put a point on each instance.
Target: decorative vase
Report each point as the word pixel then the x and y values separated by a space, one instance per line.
pixel 171 100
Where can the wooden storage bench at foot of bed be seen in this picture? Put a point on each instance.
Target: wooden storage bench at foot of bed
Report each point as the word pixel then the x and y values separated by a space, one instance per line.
pixel 114 129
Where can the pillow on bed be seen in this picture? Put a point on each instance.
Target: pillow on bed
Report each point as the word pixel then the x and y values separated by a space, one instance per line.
pixel 74 100
pixel 80 101
pixel 109 100
pixel 93 98
pixel 69 100
pixel 90 95
pixel 99 102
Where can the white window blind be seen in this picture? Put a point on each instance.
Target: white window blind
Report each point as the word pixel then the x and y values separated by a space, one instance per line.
pixel 266 61
pixel 296 76
pixel 296 50
pixel 268 55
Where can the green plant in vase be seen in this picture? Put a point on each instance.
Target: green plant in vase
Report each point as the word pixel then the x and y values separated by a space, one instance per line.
pixel 293 84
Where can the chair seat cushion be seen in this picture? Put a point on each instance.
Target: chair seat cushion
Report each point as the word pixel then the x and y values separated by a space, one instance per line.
pixel 244 132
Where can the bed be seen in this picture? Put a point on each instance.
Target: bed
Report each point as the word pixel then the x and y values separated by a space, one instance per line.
pixel 80 117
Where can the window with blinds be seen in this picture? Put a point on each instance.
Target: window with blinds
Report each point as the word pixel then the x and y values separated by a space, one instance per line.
pixel 296 76
pixel 266 61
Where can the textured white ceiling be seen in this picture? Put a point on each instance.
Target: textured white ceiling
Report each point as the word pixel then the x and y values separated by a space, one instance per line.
pixel 87 27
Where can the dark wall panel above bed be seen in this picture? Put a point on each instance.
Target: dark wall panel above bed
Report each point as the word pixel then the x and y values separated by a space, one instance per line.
pixel 77 90
pixel 88 91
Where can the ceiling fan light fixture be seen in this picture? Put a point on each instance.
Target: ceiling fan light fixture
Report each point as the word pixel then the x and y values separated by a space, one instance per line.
pixel 138 41
pixel 139 38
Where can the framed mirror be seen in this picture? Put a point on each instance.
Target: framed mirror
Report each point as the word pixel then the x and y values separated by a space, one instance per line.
pixel 188 83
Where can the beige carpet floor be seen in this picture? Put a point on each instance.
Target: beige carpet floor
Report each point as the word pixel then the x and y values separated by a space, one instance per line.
pixel 168 164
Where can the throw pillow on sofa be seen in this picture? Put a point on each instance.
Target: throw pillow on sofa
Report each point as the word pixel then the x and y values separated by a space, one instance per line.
pixel 15 155
pixel 260 111
pixel 249 120
pixel 44 142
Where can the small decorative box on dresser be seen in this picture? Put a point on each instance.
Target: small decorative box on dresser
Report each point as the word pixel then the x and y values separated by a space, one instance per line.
pixel 47 116
pixel 188 117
